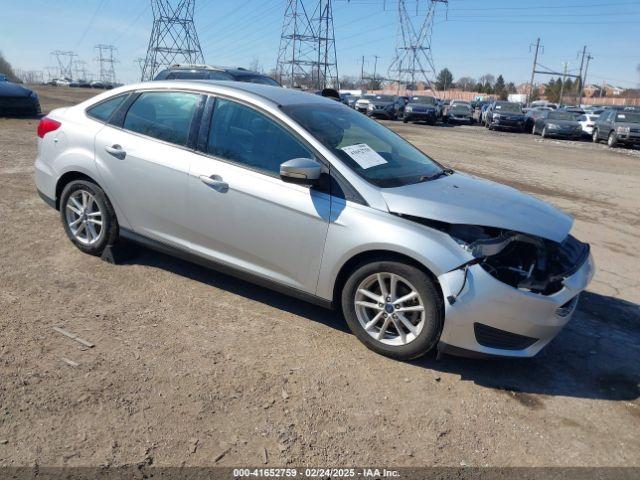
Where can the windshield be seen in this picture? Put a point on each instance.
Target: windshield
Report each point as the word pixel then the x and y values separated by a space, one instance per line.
pixel 425 100
pixel 628 117
pixel 460 109
pixel 385 98
pixel 509 107
pixel 561 116
pixel 372 151
pixel 368 96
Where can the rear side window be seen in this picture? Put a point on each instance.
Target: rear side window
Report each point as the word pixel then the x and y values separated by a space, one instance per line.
pixel 104 110
pixel 242 135
pixel 166 116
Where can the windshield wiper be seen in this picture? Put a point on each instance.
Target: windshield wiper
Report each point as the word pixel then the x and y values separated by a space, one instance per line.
pixel 441 173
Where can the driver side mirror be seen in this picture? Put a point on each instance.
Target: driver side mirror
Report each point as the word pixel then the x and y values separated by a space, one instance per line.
pixel 302 171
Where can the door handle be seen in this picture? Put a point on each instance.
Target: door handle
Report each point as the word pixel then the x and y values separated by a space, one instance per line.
pixel 215 182
pixel 116 151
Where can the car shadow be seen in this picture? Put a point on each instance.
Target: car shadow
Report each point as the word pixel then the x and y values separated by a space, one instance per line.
pixel 596 356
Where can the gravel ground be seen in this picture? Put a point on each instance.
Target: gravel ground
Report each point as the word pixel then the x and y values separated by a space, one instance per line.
pixel 191 367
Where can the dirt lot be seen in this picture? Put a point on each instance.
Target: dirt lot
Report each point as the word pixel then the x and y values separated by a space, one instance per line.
pixel 189 364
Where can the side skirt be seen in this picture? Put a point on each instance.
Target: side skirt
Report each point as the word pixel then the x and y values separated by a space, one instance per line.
pixel 234 272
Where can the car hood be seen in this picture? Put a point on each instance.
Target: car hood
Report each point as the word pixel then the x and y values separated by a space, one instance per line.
pixel 8 89
pixel 464 199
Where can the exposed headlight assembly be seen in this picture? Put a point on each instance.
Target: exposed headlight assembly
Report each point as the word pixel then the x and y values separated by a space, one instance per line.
pixel 408 109
pixel 622 129
pixel 523 261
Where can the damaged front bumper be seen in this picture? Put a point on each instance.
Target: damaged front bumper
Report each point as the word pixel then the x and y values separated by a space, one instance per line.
pixel 489 317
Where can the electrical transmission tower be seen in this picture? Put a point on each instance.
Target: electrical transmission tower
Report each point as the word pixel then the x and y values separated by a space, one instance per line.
pixel 307 55
pixel 65 63
pixel 107 72
pixel 173 38
pixel 413 60
pixel 80 69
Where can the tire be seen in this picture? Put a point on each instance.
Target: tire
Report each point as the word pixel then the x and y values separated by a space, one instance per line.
pixel 90 237
pixel 544 132
pixel 533 129
pixel 612 140
pixel 427 322
pixel 595 137
pixel 404 120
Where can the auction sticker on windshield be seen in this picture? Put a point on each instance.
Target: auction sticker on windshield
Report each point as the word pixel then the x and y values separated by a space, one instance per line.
pixel 364 155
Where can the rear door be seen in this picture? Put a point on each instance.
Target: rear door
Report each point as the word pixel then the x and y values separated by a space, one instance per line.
pixel 144 158
pixel 241 213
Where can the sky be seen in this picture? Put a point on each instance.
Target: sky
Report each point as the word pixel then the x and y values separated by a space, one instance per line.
pixel 470 37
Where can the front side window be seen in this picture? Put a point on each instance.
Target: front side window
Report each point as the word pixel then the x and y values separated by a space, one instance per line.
pixel 243 135
pixel 104 110
pixel 372 151
pixel 166 116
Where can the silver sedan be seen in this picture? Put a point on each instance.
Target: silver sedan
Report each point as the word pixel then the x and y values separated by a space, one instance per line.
pixel 305 195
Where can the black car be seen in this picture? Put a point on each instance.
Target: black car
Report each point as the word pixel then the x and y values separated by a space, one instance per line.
pixel 458 113
pixel 505 115
pixel 386 106
pixel 206 72
pixel 420 109
pixel 558 124
pixel 18 100
pixel 532 115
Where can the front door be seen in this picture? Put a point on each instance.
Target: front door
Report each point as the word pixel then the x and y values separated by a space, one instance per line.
pixel 242 214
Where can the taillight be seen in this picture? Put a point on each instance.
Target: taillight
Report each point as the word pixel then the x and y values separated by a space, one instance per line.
pixel 47 125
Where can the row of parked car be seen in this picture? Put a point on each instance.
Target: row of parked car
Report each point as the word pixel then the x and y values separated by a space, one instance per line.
pixel 617 125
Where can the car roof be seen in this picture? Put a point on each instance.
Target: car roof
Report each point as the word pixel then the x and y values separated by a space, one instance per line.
pixel 276 95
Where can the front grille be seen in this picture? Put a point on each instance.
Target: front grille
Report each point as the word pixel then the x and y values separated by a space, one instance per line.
pixel 495 338
pixel 567 309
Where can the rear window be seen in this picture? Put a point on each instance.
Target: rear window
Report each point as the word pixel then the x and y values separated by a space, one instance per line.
pixel 103 111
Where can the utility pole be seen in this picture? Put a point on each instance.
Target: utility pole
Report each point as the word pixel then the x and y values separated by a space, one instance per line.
pixel 173 37
pixel 307 50
pixel 107 61
pixel 362 73
pixel 584 78
pixel 413 59
pixel 65 63
pixel 533 71
pixel 584 53
pixel 564 76
pixel 375 66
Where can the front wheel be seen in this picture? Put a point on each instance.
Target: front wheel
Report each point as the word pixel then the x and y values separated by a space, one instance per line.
pixel 595 137
pixel 544 132
pixel 612 141
pixel 88 217
pixel 393 308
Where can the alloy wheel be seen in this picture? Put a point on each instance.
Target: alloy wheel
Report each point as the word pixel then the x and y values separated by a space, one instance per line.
pixel 84 217
pixel 389 308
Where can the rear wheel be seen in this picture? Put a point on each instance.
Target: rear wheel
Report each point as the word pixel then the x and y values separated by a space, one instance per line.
pixel 612 141
pixel 393 308
pixel 88 216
